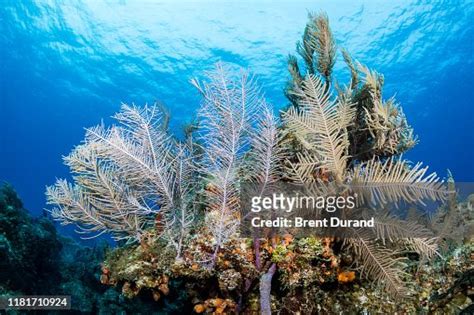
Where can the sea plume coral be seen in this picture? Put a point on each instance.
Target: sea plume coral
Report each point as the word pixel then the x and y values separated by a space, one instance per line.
pixel 354 138
pixel 229 118
pixel 127 178
pixel 318 47
pixel 319 124
pixel 379 263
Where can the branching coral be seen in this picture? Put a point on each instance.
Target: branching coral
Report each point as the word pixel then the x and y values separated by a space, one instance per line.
pixel 353 139
pixel 319 124
pixel 318 48
pixel 127 179
pixel 229 115
pixel 267 153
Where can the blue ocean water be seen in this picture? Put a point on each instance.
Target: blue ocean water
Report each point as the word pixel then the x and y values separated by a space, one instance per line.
pixel 66 65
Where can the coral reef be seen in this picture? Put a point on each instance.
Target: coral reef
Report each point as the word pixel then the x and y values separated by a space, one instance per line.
pixel 310 278
pixel 177 206
pixel 29 248
pixel 35 260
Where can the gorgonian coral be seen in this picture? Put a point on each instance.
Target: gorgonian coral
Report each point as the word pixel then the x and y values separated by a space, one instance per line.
pixel 139 183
